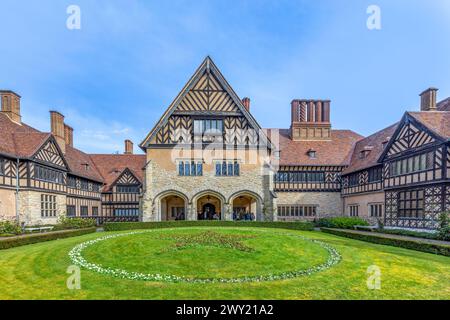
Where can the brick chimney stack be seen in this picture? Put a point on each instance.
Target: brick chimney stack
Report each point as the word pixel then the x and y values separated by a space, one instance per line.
pixel 128 147
pixel 246 103
pixel 10 102
pixel 68 135
pixel 310 120
pixel 428 100
pixel 57 127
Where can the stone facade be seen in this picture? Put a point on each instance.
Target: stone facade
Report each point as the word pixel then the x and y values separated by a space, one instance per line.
pixel 30 208
pixel 162 180
pixel 363 201
pixel 329 204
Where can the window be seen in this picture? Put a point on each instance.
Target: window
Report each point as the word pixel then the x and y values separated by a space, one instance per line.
pixel 412 164
pixel 376 210
pixel 227 169
pixel 72 182
pixel 312 154
pixel 128 188
pixel 84 211
pixel 84 185
pixel 297 210
pixel 375 174
pixel 96 187
pixel 354 210
pixel 411 204
pixel 208 127
pixel 126 212
pixel 71 211
pixel 300 177
pixel 190 168
pixel 48 206
pixel 2 166
pixel 95 211
pixel 47 174
pixel 353 180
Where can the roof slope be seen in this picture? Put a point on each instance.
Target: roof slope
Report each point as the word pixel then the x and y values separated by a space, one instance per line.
pixel 444 105
pixel 336 152
pixel 111 166
pixel 374 143
pixel 20 141
pixel 23 141
pixel 436 121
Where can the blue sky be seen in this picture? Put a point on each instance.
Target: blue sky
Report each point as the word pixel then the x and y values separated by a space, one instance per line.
pixel 114 78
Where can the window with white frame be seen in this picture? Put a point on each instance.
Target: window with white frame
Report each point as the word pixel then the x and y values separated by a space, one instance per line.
pixel 208 127
pixel 376 210
pixel 296 210
pixel 353 210
pixel 48 206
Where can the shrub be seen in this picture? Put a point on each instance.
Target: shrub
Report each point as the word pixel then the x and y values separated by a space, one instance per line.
pixel 396 242
pixel 41 237
pixel 74 223
pixel 117 226
pixel 341 222
pixel 443 227
pixel 410 233
pixel 8 228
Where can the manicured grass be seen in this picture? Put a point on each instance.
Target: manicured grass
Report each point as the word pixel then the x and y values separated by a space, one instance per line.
pixel 38 271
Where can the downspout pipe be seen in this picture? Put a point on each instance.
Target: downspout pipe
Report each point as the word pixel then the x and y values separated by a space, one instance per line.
pixel 17 192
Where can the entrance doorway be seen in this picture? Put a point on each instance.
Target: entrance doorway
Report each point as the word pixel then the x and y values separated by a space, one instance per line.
pixel 209 208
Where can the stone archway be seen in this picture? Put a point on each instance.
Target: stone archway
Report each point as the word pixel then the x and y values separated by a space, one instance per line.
pixel 172 206
pixel 246 205
pixel 209 205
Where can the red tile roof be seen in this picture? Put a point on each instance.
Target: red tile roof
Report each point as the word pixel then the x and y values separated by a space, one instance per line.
pixel 436 121
pixel 24 141
pixel 444 105
pixel 20 141
pixel 111 166
pixel 374 145
pixel 335 152
pixel 81 164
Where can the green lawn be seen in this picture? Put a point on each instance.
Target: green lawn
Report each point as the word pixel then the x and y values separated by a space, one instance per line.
pixel 39 271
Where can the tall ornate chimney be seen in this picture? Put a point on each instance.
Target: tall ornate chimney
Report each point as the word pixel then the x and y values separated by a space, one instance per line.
pixel 246 103
pixel 10 102
pixel 310 120
pixel 57 127
pixel 68 135
pixel 128 147
pixel 428 100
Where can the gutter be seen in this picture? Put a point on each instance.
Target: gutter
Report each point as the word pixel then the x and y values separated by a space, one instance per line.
pixel 17 192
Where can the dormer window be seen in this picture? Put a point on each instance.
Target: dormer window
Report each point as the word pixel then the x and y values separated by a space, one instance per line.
pixel 85 166
pixel 312 154
pixel 385 142
pixel 365 152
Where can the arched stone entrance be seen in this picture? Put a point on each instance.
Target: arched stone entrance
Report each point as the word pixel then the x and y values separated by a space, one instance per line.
pixel 246 205
pixel 172 206
pixel 209 205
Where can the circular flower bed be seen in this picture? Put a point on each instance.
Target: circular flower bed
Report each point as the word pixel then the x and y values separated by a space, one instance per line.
pixel 77 258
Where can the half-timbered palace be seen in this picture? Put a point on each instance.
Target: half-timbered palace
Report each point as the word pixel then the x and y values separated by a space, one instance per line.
pixel 207 158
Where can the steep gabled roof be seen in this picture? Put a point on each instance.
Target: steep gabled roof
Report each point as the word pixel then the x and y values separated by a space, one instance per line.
pixel 436 121
pixel 335 152
pixel 219 83
pixel 375 144
pixel 111 166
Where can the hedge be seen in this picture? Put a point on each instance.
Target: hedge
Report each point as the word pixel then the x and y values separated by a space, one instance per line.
pixel 119 226
pixel 417 245
pixel 41 237
pixel 341 222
